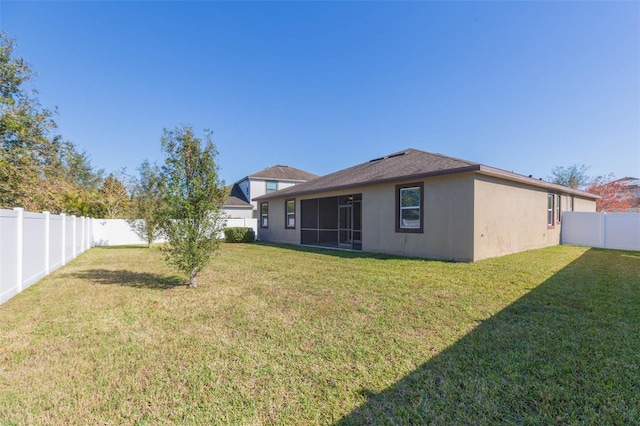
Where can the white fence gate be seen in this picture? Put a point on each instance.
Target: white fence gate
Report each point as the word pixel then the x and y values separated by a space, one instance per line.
pixel 34 244
pixel 603 230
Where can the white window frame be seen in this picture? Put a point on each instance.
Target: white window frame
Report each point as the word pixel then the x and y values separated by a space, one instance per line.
pixel 266 186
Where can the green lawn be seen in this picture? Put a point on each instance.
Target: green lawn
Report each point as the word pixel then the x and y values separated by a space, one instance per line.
pixel 284 335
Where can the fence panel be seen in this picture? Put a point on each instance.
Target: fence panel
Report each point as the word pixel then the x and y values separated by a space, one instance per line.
pixel 114 232
pixel 603 230
pixel 117 232
pixel 34 250
pixel 79 235
pixel 622 231
pixel 56 248
pixel 8 254
pixel 68 238
pixel 34 244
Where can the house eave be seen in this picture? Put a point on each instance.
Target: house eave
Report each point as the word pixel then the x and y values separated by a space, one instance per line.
pixel 514 177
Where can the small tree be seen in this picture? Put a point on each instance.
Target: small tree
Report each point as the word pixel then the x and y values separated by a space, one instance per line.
pixel 115 197
pixel 193 200
pixel 573 176
pixel 146 208
pixel 614 194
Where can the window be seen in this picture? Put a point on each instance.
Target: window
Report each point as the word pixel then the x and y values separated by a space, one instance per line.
pixel 264 215
pixel 272 186
pixel 409 207
pixel 290 217
pixel 571 203
pixel 558 208
pixel 550 210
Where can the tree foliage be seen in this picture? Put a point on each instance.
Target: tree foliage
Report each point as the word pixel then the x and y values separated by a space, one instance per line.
pixel 614 194
pixel 147 202
pixel 193 200
pixel 115 197
pixel 38 169
pixel 574 176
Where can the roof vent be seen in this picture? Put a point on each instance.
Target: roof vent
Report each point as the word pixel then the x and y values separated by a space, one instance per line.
pixel 399 154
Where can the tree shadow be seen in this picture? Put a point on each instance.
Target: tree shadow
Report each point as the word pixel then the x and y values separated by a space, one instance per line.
pixel 568 352
pixel 130 279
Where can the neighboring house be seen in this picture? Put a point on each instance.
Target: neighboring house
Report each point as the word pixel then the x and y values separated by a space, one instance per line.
pixel 631 193
pixel 237 206
pixel 271 179
pixel 415 203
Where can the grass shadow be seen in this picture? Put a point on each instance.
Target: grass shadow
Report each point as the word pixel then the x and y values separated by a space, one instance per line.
pixel 343 253
pixel 568 352
pixel 130 279
pixel 126 247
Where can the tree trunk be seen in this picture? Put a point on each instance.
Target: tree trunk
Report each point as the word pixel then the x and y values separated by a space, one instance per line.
pixel 192 279
pixel 150 244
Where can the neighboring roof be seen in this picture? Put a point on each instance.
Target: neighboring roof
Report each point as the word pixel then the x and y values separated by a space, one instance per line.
pixel 405 165
pixel 236 197
pixel 280 172
pixel 629 181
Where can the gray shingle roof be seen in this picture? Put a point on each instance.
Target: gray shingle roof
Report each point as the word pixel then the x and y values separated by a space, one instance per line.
pixel 236 197
pixel 403 165
pixel 283 173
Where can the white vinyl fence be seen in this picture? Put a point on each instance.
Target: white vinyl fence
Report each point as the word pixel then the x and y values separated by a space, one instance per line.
pixel 603 230
pixel 116 232
pixel 34 244
pixel 243 223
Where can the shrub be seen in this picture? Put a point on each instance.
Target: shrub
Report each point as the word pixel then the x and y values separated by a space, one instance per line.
pixel 239 235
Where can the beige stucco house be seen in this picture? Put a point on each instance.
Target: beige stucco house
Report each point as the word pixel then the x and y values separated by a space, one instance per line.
pixel 415 203
pixel 239 204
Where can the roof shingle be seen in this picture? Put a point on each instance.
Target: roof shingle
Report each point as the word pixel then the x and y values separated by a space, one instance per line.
pixel 280 172
pixel 236 197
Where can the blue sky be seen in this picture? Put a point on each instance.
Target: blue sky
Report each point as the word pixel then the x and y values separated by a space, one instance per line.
pixel 522 86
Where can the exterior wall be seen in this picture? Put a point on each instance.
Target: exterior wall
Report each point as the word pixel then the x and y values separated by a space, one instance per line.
pixel 283 185
pixel 239 212
pixel 276 232
pixel 244 187
pixel 511 217
pixel 467 217
pixel 583 205
pixel 448 220
pixel 258 187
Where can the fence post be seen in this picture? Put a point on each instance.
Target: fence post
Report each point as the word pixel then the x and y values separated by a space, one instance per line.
pixel 64 236
pixel 47 241
pixel 19 237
